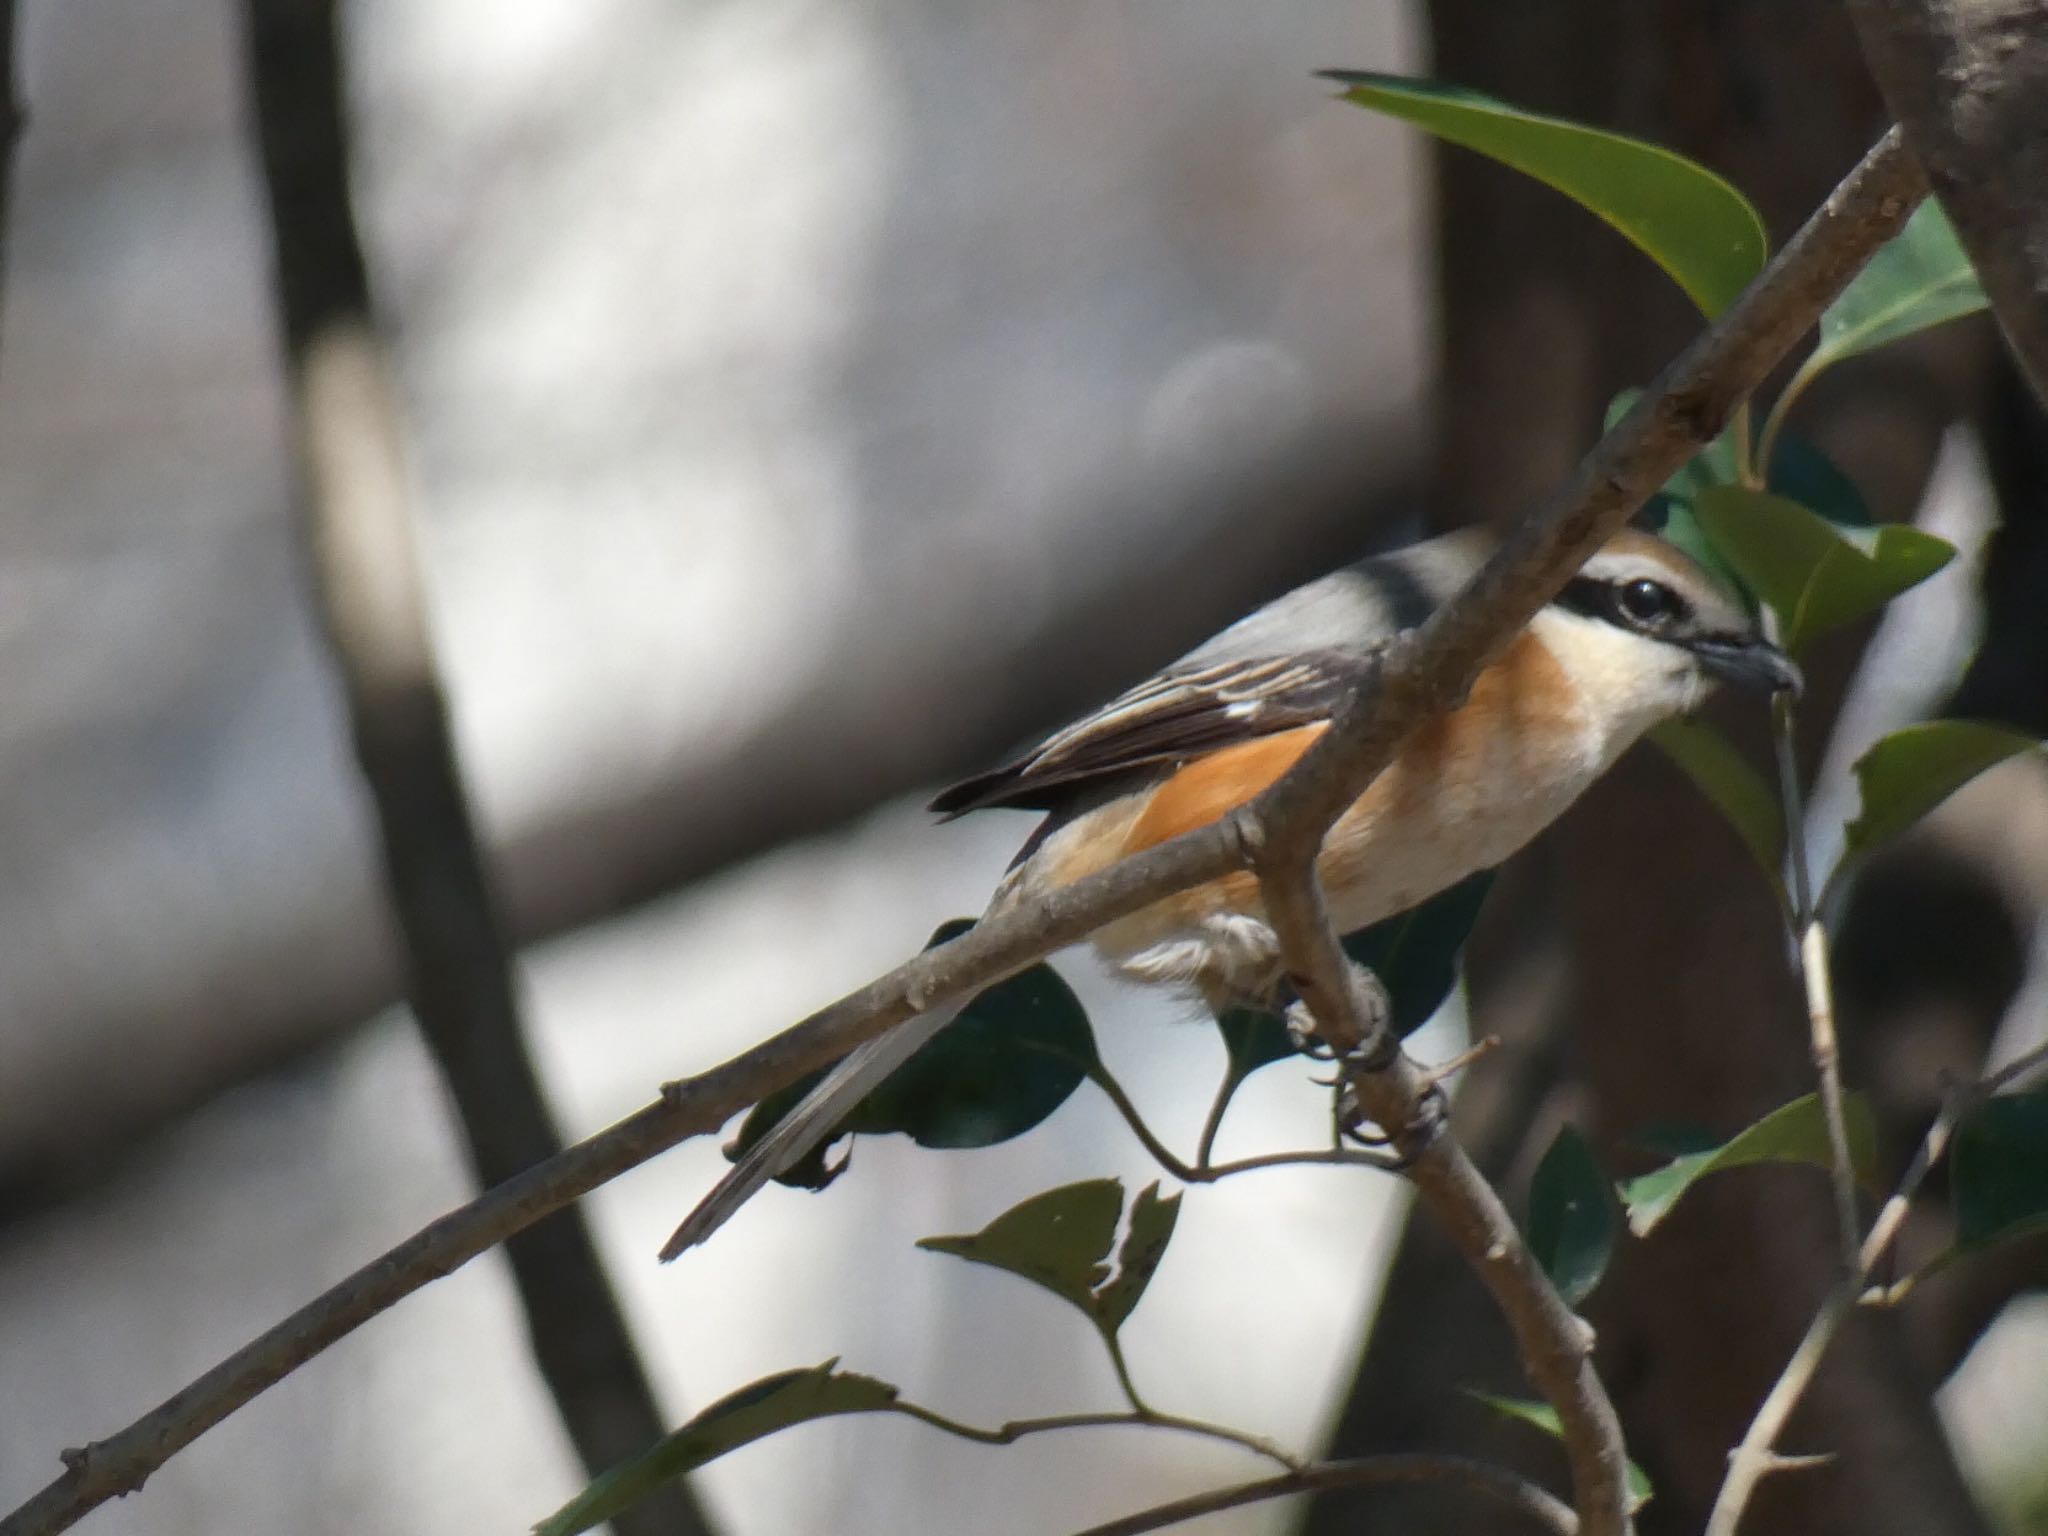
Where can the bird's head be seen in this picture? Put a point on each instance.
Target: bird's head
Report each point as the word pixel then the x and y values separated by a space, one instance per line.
pixel 1645 625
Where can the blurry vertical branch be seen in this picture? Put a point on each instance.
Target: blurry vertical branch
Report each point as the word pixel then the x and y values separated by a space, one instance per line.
pixel 11 119
pixel 368 586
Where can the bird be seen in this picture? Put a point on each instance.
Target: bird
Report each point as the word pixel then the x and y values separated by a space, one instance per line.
pixel 1641 633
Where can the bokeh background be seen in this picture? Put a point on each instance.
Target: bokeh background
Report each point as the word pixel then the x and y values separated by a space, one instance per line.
pixel 805 401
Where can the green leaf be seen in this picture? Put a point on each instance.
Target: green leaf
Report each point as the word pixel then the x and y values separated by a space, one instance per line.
pixel 1681 215
pixel 1908 773
pixel 1151 1228
pixel 1253 1039
pixel 1792 1133
pixel 1544 1417
pixel 1813 576
pixel 1058 1240
pixel 1921 278
pixel 1998 1175
pixel 1801 472
pixel 1736 789
pixel 1013 1056
pixel 1415 953
pixel 1061 1239
pixel 770 1404
pixel 1572 1224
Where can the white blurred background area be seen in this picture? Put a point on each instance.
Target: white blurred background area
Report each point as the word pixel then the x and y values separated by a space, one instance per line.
pixel 805 398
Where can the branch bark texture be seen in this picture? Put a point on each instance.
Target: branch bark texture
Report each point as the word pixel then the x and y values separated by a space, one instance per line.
pixel 1968 81
pixel 1685 408
pixel 358 523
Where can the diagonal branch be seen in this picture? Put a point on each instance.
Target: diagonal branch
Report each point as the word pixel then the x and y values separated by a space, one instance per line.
pixel 1751 1461
pixel 1685 408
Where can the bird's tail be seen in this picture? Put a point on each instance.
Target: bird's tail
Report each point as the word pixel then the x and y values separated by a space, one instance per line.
pixel 813 1119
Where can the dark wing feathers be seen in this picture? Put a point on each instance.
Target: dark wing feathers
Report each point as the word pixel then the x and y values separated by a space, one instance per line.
pixel 1181 713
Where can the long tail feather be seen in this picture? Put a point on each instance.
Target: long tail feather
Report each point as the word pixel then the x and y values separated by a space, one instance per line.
pixel 814 1118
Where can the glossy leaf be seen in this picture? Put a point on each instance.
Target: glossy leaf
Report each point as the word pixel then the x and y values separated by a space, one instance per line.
pixel 1415 953
pixel 1920 278
pixel 1253 1039
pixel 1908 773
pixel 1814 577
pixel 1058 1240
pixel 1544 1417
pixel 1013 1056
pixel 1572 1223
pixel 1061 1240
pixel 1137 1259
pixel 773 1403
pixel 1736 789
pixel 1793 1133
pixel 1685 218
pixel 1999 1171
pixel 1801 472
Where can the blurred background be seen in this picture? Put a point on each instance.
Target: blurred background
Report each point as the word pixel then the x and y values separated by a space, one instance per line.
pixel 802 403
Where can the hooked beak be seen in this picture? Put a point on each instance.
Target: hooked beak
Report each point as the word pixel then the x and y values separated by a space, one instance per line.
pixel 1749 662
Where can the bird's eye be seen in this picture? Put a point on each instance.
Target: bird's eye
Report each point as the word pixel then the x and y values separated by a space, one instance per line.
pixel 1648 604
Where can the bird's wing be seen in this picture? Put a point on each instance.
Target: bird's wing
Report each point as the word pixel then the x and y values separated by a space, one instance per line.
pixel 1189 709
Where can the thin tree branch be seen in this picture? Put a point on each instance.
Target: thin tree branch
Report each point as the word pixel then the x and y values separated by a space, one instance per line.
pixel 1816 980
pixel 1756 1456
pixel 1555 1345
pixel 1968 81
pixel 1684 409
pixel 358 527
pixel 1496 1483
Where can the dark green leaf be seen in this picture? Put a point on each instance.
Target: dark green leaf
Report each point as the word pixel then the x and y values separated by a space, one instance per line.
pixel 1812 576
pixel 1737 790
pixel 1801 472
pixel 1921 278
pixel 1910 772
pixel 1013 1056
pixel 773 1403
pixel 1999 1172
pixel 1572 1223
pixel 1681 215
pixel 1144 1245
pixel 1415 953
pixel 1058 1240
pixel 1544 1417
pixel 1793 1133
pixel 1254 1039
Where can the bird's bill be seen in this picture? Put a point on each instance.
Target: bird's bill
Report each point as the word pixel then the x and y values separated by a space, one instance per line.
pixel 1750 663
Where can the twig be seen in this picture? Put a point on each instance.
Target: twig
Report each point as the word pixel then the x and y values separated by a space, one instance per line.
pixel 1816 978
pixel 1137 1417
pixel 1204 1172
pixel 1496 1483
pixel 1969 83
pixel 370 593
pixel 1755 1457
pixel 1685 408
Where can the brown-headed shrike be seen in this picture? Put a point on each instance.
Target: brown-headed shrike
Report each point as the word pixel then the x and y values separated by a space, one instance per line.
pixel 1640 634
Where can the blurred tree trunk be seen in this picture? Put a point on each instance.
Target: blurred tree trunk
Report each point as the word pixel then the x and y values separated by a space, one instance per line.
pixel 1678 1005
